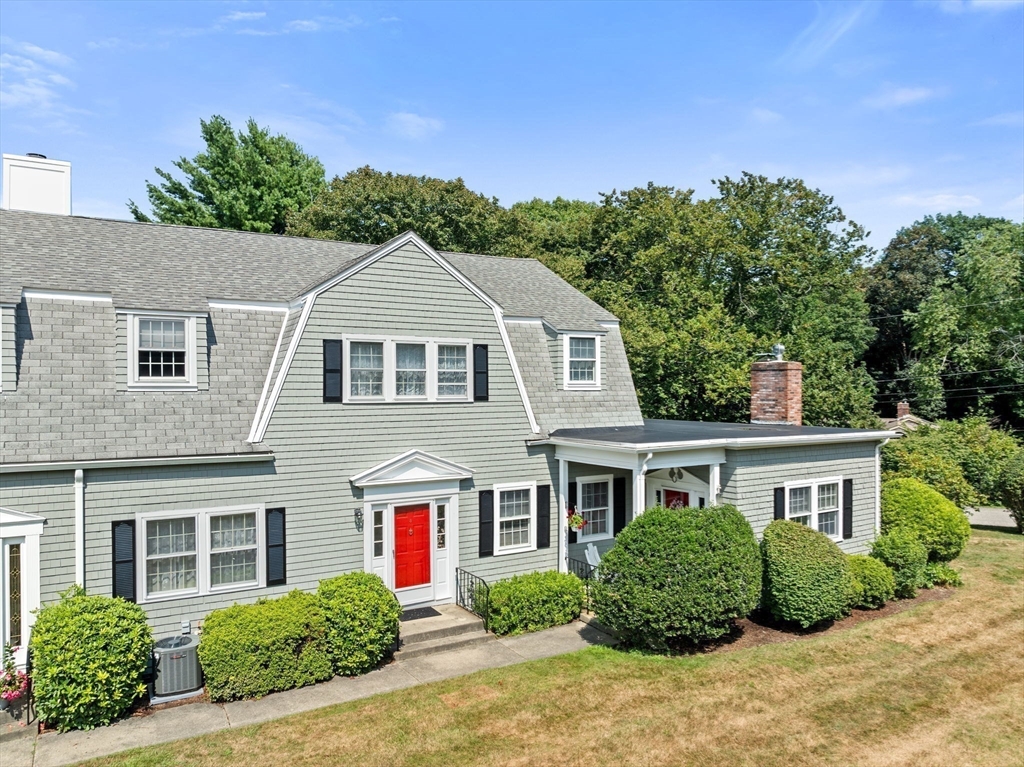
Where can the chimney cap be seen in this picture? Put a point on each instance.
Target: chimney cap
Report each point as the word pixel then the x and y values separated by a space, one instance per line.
pixel 36 155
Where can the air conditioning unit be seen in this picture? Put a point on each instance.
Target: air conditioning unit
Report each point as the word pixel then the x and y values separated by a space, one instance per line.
pixel 176 662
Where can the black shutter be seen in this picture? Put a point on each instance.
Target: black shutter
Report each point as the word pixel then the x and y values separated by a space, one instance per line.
pixel 543 516
pixel 276 557
pixel 572 507
pixel 480 372
pixel 618 504
pixel 847 508
pixel 124 559
pixel 486 523
pixel 780 503
pixel 333 354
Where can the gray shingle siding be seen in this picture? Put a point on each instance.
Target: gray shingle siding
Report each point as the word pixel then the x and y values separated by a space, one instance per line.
pixel 749 477
pixel 8 348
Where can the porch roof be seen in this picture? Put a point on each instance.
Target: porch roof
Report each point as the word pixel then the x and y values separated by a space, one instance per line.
pixel 658 434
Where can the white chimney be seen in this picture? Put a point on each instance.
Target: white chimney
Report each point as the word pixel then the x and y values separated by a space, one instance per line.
pixel 36 183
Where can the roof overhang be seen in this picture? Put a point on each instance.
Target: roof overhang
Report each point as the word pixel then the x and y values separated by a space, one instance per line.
pixel 14 523
pixel 412 467
pixel 124 463
pixel 730 443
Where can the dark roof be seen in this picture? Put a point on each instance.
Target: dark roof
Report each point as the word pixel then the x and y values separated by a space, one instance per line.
pixel 665 432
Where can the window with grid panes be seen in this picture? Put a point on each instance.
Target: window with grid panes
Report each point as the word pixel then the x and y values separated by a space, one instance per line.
pixel 162 349
pixel 514 519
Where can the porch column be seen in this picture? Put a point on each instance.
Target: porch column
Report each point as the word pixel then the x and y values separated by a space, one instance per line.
pixel 714 480
pixel 640 487
pixel 563 518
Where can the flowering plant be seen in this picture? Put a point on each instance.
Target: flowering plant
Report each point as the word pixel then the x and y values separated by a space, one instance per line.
pixel 13 682
pixel 576 520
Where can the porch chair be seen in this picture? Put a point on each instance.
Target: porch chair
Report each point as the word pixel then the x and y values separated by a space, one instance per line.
pixel 593 557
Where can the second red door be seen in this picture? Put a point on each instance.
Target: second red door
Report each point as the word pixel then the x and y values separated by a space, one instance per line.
pixel 412 545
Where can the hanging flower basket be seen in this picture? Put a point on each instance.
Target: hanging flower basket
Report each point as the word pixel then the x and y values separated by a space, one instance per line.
pixel 576 520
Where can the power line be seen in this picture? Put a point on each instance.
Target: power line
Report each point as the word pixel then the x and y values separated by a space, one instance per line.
pixel 961 306
pixel 959 396
pixel 965 388
pixel 943 375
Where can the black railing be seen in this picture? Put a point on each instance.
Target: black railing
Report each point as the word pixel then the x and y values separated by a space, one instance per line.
pixel 472 593
pixel 585 572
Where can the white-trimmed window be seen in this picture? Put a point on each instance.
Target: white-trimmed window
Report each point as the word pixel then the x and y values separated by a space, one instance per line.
pixel 515 524
pixel 163 352
pixel 816 504
pixel 593 497
pixel 203 551
pixel 582 362
pixel 380 369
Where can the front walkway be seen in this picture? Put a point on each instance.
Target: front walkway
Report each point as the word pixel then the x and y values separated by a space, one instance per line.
pixel 169 724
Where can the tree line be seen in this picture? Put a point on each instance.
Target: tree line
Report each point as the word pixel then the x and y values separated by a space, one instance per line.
pixel 701 285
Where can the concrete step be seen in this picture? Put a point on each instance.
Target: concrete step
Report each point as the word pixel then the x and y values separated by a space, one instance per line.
pixel 443 644
pixel 449 621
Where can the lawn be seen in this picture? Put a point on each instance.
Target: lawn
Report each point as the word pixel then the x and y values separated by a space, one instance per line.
pixel 939 684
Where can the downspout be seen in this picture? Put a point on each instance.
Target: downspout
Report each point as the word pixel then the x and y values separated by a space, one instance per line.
pixel 878 486
pixel 80 527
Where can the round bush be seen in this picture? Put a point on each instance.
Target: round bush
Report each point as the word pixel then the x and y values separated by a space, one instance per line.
pixel 679 576
pixel 248 651
pixel 362 621
pixel 934 519
pixel 871 582
pixel 806 579
pixel 88 657
pixel 1012 488
pixel 905 555
pixel 533 602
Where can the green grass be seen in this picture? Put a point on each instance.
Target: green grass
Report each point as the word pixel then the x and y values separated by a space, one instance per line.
pixel 940 684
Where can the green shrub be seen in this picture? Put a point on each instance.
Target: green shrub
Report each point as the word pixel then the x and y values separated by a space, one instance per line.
pixel 806 579
pixel 362 621
pixel 871 582
pixel 935 520
pixel 940 574
pixel 905 555
pixel 679 576
pixel 533 602
pixel 913 456
pixel 248 651
pixel 1012 482
pixel 88 657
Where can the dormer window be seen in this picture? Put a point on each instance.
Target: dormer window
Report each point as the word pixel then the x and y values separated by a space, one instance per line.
pixel 582 362
pixel 382 369
pixel 163 352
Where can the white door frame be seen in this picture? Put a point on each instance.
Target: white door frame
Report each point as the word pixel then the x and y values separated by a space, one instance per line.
pixel 17 527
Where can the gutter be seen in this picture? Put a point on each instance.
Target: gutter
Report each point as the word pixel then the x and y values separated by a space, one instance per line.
pixel 127 463
pixel 742 443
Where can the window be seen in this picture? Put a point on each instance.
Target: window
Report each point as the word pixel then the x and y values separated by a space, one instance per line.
pixel 593 499
pixel 163 352
pixel 816 504
pixel 441 537
pixel 403 369
pixel 378 532
pixel 516 523
pixel 200 552
pixel 14 634
pixel 582 368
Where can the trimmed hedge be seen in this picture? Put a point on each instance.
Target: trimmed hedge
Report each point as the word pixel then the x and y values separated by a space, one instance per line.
pixel 871 582
pixel 806 578
pixel 248 651
pixel 88 657
pixel 679 576
pixel 938 523
pixel 533 602
pixel 362 621
pixel 905 555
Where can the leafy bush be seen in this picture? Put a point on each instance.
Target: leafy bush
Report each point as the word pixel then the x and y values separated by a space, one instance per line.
pixel 871 582
pixel 939 574
pixel 806 578
pixel 913 457
pixel 248 651
pixel 533 602
pixel 936 521
pixel 905 555
pixel 88 657
pixel 362 621
pixel 1012 482
pixel 679 576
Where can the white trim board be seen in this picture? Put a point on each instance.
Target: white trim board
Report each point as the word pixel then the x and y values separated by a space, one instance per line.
pixel 123 463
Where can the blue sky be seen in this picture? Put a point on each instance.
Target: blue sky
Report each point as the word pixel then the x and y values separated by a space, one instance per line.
pixel 896 109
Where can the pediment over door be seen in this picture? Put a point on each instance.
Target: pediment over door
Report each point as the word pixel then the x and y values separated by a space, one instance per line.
pixel 412 467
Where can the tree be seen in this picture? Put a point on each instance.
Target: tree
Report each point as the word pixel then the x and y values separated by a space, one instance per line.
pixel 249 181
pixel 366 205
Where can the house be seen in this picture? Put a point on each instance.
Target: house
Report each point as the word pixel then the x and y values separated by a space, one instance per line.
pixel 905 422
pixel 195 417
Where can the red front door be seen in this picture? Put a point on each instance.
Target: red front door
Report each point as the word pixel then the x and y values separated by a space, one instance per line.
pixel 674 499
pixel 412 545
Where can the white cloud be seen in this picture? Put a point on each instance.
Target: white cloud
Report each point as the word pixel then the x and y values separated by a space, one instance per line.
pixel 939 203
pixel 765 116
pixel 855 175
pixel 302 25
pixel 1016 205
pixel 892 96
pixel 42 54
pixel 245 15
pixel 413 126
pixel 990 6
pixel 831 23
pixel 1012 119
pixel 30 84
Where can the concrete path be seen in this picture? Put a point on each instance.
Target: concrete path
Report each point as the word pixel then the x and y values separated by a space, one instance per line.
pixel 991 516
pixel 54 749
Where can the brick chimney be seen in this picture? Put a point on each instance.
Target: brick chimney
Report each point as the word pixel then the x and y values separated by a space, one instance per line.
pixel 776 391
pixel 902 409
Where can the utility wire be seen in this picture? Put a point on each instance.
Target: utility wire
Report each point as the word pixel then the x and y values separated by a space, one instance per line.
pixel 943 375
pixel 965 388
pixel 959 396
pixel 960 306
